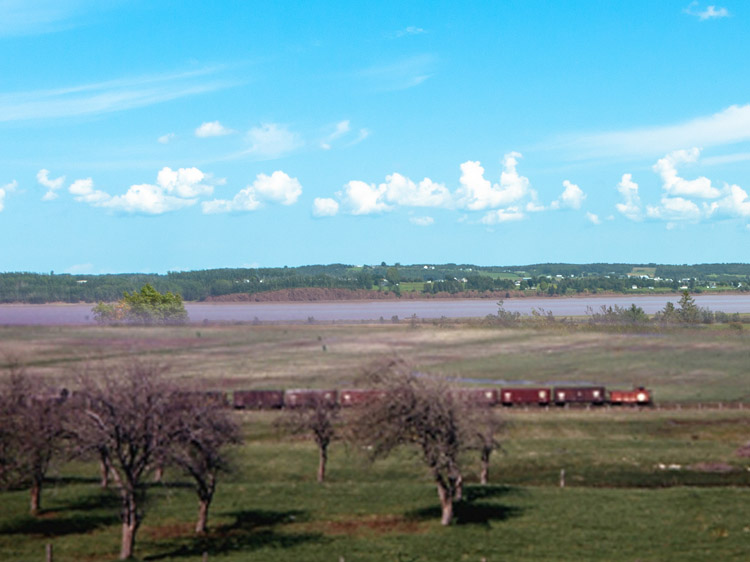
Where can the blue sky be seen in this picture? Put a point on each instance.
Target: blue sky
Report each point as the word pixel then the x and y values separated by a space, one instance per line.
pixel 172 135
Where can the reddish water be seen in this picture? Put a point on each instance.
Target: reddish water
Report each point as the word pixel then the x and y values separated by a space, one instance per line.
pixel 360 311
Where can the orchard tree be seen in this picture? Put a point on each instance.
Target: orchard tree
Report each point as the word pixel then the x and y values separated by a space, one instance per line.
pixel 31 432
pixel 128 413
pixel 421 412
pixel 200 437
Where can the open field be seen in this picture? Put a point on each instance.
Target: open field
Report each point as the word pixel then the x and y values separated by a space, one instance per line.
pixel 640 484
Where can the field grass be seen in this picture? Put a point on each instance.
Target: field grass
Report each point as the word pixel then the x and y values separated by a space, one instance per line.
pixel 640 484
pixel 617 504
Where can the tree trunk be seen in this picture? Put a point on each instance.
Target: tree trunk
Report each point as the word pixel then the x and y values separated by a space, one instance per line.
pixel 458 488
pixel 484 476
pixel 104 470
pixel 129 525
pixel 159 473
pixel 202 525
pixel 322 463
pixel 446 503
pixel 36 495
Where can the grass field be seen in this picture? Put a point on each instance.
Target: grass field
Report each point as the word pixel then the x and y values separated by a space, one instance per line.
pixel 640 485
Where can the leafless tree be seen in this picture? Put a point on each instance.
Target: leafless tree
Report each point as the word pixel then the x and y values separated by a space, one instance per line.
pixel 317 418
pixel 127 414
pixel 483 428
pixel 31 431
pixel 202 433
pixel 421 411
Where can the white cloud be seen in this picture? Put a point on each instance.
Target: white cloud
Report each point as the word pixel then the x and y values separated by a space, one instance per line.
pixel 677 186
pixel 360 198
pixel 166 139
pixel 42 176
pixel 422 221
pixel 572 197
pixel 105 97
pixel 631 207
pixel 174 189
pixel 272 140
pixel 728 126
pixel 185 182
pixel 409 30
pixel 341 128
pixel 710 12
pixel 325 207
pixel 276 188
pixel 4 190
pixel 477 193
pixel 212 129
pixel 401 190
pixel 502 215
pixel 363 134
pixel 593 218
pixel 736 203
pixel 674 209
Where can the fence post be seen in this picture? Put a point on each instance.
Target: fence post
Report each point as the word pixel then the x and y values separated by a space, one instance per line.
pixel 48 552
pixel 562 477
pixel 205 557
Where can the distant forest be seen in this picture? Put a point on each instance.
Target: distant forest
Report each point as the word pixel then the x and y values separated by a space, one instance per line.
pixel 537 279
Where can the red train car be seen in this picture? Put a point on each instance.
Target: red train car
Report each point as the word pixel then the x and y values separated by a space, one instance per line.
pixel 579 395
pixel 523 396
pixel 639 396
pixel 258 399
pixel 307 398
pixel 359 396
pixel 481 397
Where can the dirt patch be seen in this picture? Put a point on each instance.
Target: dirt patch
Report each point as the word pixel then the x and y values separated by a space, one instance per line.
pixel 378 524
pixel 717 467
pixel 173 531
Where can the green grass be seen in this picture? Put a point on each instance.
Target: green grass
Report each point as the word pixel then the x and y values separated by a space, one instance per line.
pixel 617 505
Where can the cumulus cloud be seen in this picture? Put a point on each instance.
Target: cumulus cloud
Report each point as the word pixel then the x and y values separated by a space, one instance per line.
pixel 631 205
pixel 422 221
pixel 52 185
pixel 212 129
pixel 360 198
pixel 593 218
pixel 166 139
pixel 4 190
pixel 477 193
pixel 400 190
pixel 272 140
pixel 325 207
pixel 674 209
pixel 174 189
pixel 675 185
pixel 708 13
pixel 276 188
pixel 735 203
pixel 572 197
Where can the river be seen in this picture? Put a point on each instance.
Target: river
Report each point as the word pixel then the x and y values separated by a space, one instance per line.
pixel 368 311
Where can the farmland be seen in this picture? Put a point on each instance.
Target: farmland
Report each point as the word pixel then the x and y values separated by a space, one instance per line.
pixel 640 484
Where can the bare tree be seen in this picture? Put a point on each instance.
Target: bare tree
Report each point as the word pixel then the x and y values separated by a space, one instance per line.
pixel 202 433
pixel 127 415
pixel 317 417
pixel 31 432
pixel 483 428
pixel 421 411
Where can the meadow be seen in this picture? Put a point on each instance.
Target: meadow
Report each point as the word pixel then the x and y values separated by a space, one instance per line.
pixel 649 484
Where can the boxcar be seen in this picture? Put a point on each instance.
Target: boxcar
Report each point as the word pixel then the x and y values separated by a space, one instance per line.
pixel 579 395
pixel 511 396
pixel 258 399
pixel 307 398
pixel 359 396
pixel 481 397
pixel 638 396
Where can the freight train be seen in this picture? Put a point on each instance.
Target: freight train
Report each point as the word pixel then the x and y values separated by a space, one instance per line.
pixel 479 397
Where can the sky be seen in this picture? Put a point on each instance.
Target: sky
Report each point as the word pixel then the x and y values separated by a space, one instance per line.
pixel 155 136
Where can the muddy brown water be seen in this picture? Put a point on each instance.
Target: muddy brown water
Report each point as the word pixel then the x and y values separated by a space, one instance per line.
pixel 367 311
